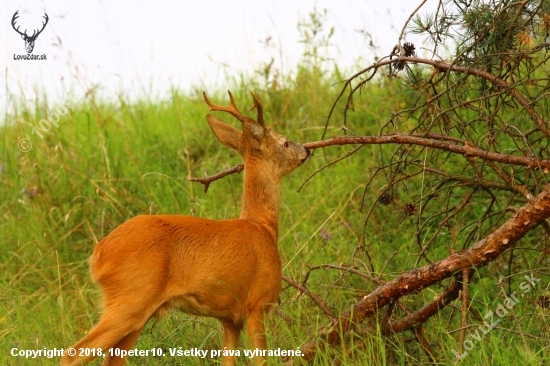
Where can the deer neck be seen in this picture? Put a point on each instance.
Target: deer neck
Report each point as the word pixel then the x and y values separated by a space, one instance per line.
pixel 261 198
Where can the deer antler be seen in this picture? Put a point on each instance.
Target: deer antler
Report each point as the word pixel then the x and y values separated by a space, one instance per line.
pixel 231 109
pixel 43 26
pixel 258 106
pixel 15 16
pixel 34 34
pixel 234 111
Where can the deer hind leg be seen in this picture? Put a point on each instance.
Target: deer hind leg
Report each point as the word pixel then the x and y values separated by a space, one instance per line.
pixel 256 331
pixel 118 325
pixel 231 333
pixel 125 343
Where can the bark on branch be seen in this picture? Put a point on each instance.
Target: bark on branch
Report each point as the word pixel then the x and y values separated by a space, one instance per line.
pixel 205 181
pixel 466 150
pixel 479 255
pixel 432 141
pixel 422 315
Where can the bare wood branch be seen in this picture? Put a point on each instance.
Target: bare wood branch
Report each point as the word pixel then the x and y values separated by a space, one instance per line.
pixel 283 315
pixel 476 180
pixel 350 270
pixel 465 300
pixel 408 20
pixel 465 200
pixel 449 294
pixel 419 333
pixel 546 227
pixel 527 105
pixel 385 321
pixel 467 150
pixel 329 164
pixel 510 180
pixel 479 255
pixel 209 179
pixel 312 296
pixel 418 329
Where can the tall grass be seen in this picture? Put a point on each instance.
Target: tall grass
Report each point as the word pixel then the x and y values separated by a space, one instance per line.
pixel 110 161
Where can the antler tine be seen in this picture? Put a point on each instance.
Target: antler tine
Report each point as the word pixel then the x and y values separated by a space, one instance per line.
pixel 15 16
pixel 231 108
pixel 46 22
pixel 258 106
pixel 43 25
pixel 13 19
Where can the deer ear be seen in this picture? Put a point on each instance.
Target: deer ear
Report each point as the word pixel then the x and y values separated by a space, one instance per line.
pixel 226 134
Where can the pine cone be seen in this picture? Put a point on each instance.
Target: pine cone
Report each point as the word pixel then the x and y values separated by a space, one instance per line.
pixel 409 49
pixel 410 209
pixel 385 199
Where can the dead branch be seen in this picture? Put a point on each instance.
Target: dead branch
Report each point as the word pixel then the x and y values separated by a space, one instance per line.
pixel 312 296
pixel 510 181
pixel 408 20
pixel 466 150
pixel 443 66
pixel 474 181
pixel 330 163
pixel 350 270
pixel 418 330
pixel 419 333
pixel 449 294
pixel 465 300
pixel 283 315
pixel 209 179
pixel 385 321
pixel 456 210
pixel 479 255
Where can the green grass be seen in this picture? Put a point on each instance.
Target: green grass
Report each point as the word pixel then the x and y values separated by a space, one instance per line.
pixel 110 161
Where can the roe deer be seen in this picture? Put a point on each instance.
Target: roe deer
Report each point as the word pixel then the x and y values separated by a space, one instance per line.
pixel 226 269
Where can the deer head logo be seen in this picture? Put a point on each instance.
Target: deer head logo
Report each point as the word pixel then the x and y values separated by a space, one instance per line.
pixel 29 40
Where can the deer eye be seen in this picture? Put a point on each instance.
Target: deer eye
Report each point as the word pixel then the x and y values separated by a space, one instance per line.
pixel 286 143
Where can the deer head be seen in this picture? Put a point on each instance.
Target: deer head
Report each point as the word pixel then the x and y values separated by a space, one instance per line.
pixel 267 155
pixel 257 144
pixel 29 40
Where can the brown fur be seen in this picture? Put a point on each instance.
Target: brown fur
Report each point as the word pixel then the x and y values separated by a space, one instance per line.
pixel 226 269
